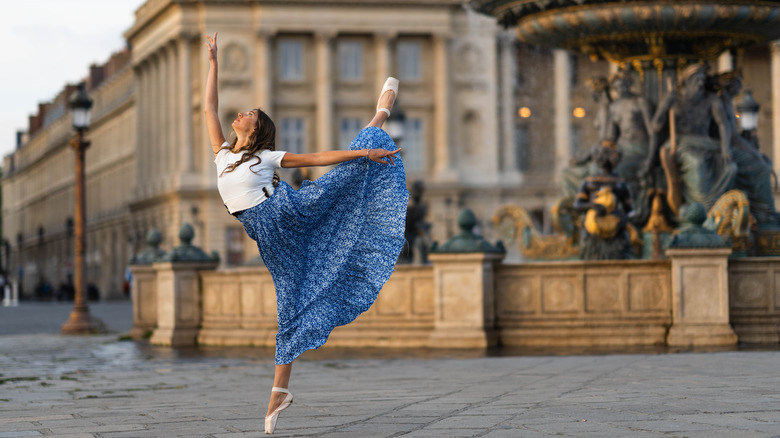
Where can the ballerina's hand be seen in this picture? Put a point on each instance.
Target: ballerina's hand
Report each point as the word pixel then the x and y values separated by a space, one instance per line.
pixel 378 154
pixel 212 45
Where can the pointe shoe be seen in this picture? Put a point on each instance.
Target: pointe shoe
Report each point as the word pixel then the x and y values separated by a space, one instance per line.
pixel 391 84
pixel 270 420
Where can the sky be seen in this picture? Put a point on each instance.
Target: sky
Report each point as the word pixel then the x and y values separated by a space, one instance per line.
pixel 48 44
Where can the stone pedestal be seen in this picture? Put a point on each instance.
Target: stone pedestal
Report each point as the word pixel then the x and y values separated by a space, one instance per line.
pixel 178 302
pixel 700 298
pixel 464 305
pixel 144 297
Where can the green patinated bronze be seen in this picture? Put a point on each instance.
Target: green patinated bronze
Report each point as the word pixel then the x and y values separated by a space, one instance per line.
pixel 187 252
pixel 628 30
pixel 664 47
pixel 691 232
pixel 466 241
pixel 152 253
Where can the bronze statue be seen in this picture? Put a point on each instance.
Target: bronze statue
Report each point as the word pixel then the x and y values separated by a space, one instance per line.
pixel 625 119
pixel 629 125
pixel 754 170
pixel 416 233
pixel 605 198
pixel 699 168
pixel 581 165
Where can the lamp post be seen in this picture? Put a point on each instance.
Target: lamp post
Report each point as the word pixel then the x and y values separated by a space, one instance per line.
pixel 396 124
pixel 748 116
pixel 80 321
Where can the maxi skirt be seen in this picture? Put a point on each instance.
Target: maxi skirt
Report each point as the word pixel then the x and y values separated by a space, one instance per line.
pixel 331 245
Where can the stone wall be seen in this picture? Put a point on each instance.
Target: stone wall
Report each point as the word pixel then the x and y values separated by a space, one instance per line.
pixel 754 299
pixel 239 308
pixel 561 304
pixel 583 303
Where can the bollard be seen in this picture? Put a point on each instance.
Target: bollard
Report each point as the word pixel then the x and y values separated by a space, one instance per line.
pixel 178 292
pixel 11 295
pixel 463 270
pixel 700 284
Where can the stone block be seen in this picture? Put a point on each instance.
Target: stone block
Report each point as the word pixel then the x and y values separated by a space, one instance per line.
pixel 464 315
pixel 144 297
pixel 700 297
pixel 179 302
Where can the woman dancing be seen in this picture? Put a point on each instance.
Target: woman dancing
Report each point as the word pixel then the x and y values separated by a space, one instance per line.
pixel 329 246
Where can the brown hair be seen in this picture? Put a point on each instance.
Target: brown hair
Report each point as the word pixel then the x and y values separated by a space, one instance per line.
pixel 263 137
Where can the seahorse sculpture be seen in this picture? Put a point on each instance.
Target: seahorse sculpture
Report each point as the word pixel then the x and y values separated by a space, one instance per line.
pixel 730 217
pixel 605 226
pixel 533 244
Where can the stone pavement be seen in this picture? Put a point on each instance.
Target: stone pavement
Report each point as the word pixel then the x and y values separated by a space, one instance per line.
pixel 98 386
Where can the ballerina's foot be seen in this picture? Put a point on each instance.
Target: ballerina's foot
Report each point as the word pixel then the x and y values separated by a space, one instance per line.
pixel 276 400
pixel 276 406
pixel 388 95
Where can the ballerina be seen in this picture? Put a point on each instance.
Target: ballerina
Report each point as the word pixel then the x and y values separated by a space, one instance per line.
pixel 329 246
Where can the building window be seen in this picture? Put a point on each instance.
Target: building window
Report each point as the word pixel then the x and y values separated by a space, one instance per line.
pixel 576 140
pixel 349 127
pixel 291 60
pixel 574 69
pixel 409 61
pixel 235 246
pixel 293 135
pixel 522 147
pixel 350 60
pixel 414 145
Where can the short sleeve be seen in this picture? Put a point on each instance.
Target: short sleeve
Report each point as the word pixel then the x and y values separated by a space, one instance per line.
pixel 222 152
pixel 273 158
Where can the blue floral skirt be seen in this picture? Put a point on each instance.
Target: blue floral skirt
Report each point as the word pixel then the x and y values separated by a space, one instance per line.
pixel 331 245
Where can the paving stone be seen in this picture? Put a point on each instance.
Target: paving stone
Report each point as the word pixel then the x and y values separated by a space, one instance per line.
pixel 448 433
pixel 97 387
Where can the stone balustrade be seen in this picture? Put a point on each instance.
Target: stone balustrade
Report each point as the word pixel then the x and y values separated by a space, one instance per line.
pixel 583 303
pixel 473 300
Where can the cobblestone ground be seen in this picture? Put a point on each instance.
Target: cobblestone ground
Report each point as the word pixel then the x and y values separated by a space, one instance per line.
pixel 98 386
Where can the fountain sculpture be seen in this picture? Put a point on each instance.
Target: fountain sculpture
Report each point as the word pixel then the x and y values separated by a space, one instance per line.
pixel 687 150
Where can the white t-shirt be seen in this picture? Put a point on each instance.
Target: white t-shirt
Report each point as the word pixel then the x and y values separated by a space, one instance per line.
pixel 243 187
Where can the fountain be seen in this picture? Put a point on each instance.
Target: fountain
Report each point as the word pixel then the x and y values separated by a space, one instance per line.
pixel 665 47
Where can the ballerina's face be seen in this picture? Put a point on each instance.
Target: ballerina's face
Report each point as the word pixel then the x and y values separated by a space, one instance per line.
pixel 246 122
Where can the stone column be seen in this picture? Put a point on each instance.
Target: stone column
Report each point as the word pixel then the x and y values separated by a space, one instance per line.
pixel 725 62
pixel 141 78
pixel 775 75
pixel 323 85
pixel 508 70
pixel 264 71
pixel 171 128
pixel 153 171
pixel 382 66
pixel 442 163
pixel 700 297
pixel 144 297
pixel 562 109
pixel 184 52
pixel 324 90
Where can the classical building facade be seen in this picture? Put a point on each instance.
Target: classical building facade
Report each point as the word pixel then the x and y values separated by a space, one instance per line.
pixel 489 121
pixel 38 202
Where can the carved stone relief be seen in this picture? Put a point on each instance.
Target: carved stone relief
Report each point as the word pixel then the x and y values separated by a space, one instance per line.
pixel 236 59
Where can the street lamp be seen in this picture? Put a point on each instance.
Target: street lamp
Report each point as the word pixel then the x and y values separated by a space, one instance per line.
pixel 396 125
pixel 748 116
pixel 80 321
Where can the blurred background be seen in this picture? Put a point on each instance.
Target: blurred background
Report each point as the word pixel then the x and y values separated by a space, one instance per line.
pixel 483 119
